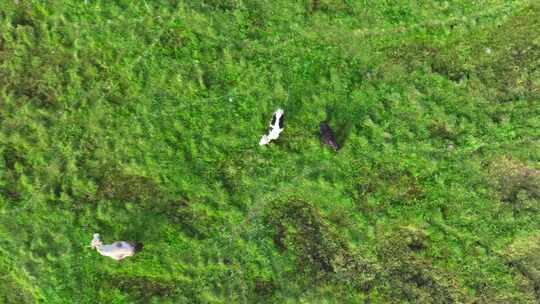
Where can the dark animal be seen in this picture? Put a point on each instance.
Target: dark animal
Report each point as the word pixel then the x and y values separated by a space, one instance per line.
pixel 327 136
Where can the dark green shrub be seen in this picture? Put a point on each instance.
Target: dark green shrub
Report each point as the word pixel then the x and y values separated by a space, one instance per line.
pixel 319 252
pixel 516 183
pixel 116 185
pixel 144 289
pixel 407 276
pixel 13 293
pixel 524 255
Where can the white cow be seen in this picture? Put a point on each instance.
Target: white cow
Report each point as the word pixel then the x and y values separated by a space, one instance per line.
pixel 117 250
pixel 276 127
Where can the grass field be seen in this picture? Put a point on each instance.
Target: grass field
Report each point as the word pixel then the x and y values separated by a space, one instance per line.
pixel 140 120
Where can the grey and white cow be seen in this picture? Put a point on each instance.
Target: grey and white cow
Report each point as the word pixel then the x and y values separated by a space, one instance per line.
pixel 117 250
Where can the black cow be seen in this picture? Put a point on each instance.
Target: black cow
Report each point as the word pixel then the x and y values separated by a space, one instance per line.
pixel 327 136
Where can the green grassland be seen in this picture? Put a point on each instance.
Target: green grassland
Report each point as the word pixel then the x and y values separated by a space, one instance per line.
pixel 140 120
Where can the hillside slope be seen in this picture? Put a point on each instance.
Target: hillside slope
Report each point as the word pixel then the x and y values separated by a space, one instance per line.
pixel 140 120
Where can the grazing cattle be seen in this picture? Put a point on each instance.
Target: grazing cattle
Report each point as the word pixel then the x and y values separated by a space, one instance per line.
pixel 276 127
pixel 327 136
pixel 117 250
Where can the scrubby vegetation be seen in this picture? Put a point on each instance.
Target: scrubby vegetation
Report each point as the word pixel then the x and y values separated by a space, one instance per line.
pixel 140 120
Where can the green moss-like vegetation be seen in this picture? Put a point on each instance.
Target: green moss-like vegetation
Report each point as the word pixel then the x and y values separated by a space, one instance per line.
pixel 140 120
